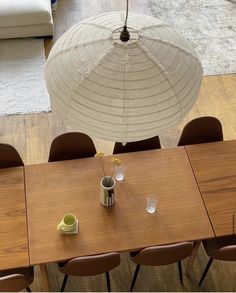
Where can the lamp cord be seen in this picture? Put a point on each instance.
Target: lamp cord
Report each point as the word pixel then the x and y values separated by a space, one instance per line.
pixel 127 12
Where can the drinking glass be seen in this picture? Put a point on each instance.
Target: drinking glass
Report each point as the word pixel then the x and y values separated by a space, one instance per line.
pixel 151 204
pixel 119 172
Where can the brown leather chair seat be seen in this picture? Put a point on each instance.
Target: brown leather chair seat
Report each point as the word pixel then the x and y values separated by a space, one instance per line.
pixel 161 255
pixel 221 248
pixel 15 280
pixel 89 266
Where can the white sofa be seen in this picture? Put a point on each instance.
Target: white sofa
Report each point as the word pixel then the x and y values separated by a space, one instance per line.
pixel 25 18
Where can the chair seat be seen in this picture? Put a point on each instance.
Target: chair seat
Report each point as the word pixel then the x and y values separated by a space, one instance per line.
pixel 221 248
pixel 27 272
pixel 162 254
pixel 90 265
pixel 15 280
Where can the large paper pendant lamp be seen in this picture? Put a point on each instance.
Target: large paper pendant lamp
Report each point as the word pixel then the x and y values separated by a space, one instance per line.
pixel 122 90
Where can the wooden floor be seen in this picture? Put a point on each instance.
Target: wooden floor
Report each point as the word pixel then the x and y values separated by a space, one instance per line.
pixel 32 135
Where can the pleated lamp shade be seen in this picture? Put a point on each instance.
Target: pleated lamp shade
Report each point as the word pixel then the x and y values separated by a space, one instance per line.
pixel 122 91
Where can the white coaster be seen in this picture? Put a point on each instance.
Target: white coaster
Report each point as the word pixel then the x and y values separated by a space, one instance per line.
pixel 75 231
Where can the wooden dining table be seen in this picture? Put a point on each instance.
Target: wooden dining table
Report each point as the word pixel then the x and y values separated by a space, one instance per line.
pixel 58 188
pixel 214 165
pixel 195 187
pixel 13 227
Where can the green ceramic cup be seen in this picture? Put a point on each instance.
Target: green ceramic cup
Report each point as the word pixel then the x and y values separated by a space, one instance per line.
pixel 68 223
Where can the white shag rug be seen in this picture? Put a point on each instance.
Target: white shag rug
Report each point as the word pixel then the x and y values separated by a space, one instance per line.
pixel 209 25
pixel 22 84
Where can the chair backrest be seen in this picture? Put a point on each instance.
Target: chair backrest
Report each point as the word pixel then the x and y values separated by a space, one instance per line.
pixel 9 157
pixel 72 145
pixel 91 265
pixel 14 283
pixel 136 146
pixel 201 130
pixel 163 254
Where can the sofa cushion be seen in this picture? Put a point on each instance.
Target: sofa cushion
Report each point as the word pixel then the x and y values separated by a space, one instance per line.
pixel 25 31
pixel 24 12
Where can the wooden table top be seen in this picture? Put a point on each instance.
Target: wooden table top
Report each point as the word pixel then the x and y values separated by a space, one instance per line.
pixel 13 228
pixel 214 165
pixel 54 189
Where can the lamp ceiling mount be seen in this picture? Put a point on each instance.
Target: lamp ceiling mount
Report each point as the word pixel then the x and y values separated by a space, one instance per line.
pixel 124 35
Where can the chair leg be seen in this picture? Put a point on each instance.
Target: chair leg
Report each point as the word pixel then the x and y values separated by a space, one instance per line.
pixel 28 289
pixel 64 283
pixel 134 277
pixel 206 270
pixel 108 282
pixel 180 272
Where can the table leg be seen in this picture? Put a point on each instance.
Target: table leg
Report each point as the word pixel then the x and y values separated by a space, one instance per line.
pixel 192 256
pixel 44 278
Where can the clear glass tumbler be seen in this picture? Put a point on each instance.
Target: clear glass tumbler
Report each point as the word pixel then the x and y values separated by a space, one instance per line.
pixel 151 204
pixel 119 172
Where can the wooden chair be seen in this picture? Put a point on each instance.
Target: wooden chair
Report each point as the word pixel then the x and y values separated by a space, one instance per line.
pixel 201 130
pixel 72 145
pixel 9 157
pixel 136 146
pixel 90 266
pixel 15 280
pixel 221 248
pixel 161 255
